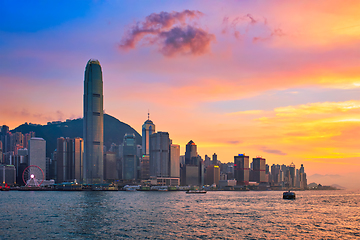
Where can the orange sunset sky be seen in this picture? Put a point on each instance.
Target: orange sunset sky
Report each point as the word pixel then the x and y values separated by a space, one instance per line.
pixel 280 79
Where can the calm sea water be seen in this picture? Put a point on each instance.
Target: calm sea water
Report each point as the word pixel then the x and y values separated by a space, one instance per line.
pixel 172 215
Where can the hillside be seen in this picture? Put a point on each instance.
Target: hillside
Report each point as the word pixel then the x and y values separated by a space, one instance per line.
pixel 114 131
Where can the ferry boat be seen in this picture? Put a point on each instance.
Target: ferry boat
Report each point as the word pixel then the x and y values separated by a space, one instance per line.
pixel 163 189
pixel 131 188
pixel 288 195
pixel 196 191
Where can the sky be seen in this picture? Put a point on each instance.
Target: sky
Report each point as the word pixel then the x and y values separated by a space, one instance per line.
pixel 277 79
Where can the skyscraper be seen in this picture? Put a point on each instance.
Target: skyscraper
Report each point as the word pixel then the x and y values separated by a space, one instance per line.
pixel 192 173
pixel 129 159
pixel 37 153
pixel 191 155
pixel 148 128
pixel 93 124
pixel 159 154
pixel 5 138
pixel 241 169
pixel 175 160
pixel 259 168
pixel 214 159
pixel 70 152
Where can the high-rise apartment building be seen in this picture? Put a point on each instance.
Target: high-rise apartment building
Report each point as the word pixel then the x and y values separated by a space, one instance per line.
pixel 27 137
pixel 241 169
pixel 93 124
pixel 291 175
pixel 159 154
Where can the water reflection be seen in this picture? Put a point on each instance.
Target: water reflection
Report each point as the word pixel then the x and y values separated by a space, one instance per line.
pixel 170 215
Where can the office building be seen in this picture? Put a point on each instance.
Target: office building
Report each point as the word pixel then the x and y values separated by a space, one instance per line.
pixel 159 154
pixel 7 174
pixel 212 175
pixel 207 161
pixel 241 169
pixel 191 155
pixel 175 161
pixel 129 157
pixel 5 138
pixel 1 154
pixel 69 160
pixel 291 175
pixel 145 167
pixel 190 175
pixel 37 153
pixel 148 128
pixel 110 168
pixel 93 124
pixel 259 169
pixel 214 159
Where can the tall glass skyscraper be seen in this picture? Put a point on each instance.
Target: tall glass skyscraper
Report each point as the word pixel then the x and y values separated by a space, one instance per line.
pixel 93 123
pixel 148 128
pixel 191 153
pixel 159 154
pixel 129 159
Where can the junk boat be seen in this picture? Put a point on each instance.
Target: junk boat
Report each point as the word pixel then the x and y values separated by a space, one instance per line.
pixel 5 188
pixel 196 191
pixel 288 195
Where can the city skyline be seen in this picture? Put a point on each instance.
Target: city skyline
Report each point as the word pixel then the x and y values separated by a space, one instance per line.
pixel 263 81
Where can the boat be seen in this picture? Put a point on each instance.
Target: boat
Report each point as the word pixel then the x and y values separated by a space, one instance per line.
pixel 196 191
pixel 131 188
pixel 5 188
pixel 163 189
pixel 288 195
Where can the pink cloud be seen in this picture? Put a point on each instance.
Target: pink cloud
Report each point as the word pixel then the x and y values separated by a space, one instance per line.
pixel 172 32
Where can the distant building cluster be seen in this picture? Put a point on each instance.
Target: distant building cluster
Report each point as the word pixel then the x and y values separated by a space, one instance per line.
pixel 154 161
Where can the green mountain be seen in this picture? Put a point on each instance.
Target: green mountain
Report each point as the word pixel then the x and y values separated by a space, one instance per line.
pixel 114 131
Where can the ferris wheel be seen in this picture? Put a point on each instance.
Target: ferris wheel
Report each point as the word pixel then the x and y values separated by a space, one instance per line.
pixel 33 176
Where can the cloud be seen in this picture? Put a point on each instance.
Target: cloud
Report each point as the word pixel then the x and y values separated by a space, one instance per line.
pixel 59 115
pixel 316 175
pixel 250 25
pixel 274 151
pixel 190 40
pixel 172 32
pixel 248 112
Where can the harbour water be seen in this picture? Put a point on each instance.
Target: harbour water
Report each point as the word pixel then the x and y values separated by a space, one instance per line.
pixel 176 215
